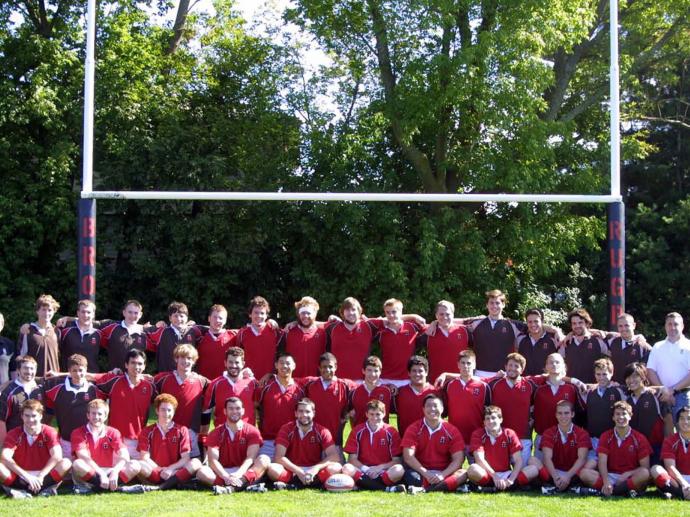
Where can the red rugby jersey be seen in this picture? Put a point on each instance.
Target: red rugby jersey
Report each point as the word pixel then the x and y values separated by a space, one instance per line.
pixel 515 403
pixel 396 348
pixel 102 449
pixel 331 401
pixel 442 350
pixel 259 349
pixel 565 452
pixel 626 455
pixel 212 348
pixel 465 403
pixel 31 455
pixel 277 404
pixel 408 404
pixel 497 451
pixel 374 447
pixel 350 347
pixel 433 449
pixel 676 448
pixel 129 404
pixel 232 447
pixel 189 394
pixel 305 346
pixel 222 388
pixel 304 450
pixel 360 396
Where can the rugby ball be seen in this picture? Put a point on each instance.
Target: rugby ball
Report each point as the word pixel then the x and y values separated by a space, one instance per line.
pixel 339 483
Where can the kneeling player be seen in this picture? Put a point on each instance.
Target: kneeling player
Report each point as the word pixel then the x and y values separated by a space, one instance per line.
pixel 306 455
pixel 433 451
pixel 101 455
pixel 374 452
pixel 674 479
pixel 165 448
pixel 564 450
pixel 623 457
pixel 31 456
pixel 495 448
pixel 233 456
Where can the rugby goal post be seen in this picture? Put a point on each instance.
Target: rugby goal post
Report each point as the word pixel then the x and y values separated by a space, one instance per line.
pixel 87 206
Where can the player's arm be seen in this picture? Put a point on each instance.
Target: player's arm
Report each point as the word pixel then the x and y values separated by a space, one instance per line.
pixel 53 460
pixel 285 462
pixel 252 454
pixel 184 459
pixel 83 454
pixel 411 461
pixel 3 432
pixel 34 482
pixel 547 460
pixel 480 459
pixel 673 471
pixel 582 453
pixel 331 455
pixel 516 460
pixel 121 460
pixel 444 378
pixel 607 488
pixel 212 455
pixel 457 458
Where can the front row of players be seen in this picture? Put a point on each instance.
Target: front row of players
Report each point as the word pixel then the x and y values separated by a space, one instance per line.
pixel 429 457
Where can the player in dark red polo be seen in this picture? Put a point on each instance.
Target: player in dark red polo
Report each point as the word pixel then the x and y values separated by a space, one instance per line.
pixel 164 339
pixel 165 448
pixel 187 387
pixel 623 458
pixel 81 337
pixel 497 455
pixel 129 396
pixel 370 389
pixel 102 460
pixel 674 477
pixel 564 451
pixel 259 338
pixel 433 451
pixel 374 460
pixel 306 455
pixel 23 388
pixel 234 462
pixel 213 342
pixel 32 461
pixel 119 337
pixel 41 338
pixel 582 347
pixel 647 414
pixel 305 340
pixel 538 343
pixel 277 402
pixel 626 347
pixel 408 402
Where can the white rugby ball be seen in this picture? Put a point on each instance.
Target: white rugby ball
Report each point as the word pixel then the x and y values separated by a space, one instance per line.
pixel 339 483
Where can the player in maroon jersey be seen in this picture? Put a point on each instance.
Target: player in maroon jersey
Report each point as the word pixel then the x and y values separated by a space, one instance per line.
pixel 623 457
pixel 166 337
pixel 31 457
pixel 647 413
pixel 259 338
pixel 408 402
pixel 42 339
pixel 433 451
pixel 165 448
pixel 370 389
pixel 102 460
pixel 497 457
pixel 374 452
pixel 14 394
pixel 674 477
pixel 213 342
pixel 306 339
pixel 582 347
pixel 81 338
pixel 538 343
pixel 305 452
pixel 626 347
pixel 119 337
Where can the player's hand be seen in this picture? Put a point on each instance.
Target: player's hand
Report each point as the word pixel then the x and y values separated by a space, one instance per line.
pixel 392 388
pixel 440 381
pixel 686 492
pixel 61 322
pixel 433 479
pixel 607 489
pixel 273 324
pixel 375 471
pixel 234 480
pixel 561 482
pixel 289 326
pixel 50 374
pixel 167 473
pixel 419 320
pixel 247 373
pixel 500 374
pixel 265 380
pixel 667 395
pixel 160 324
pixel 305 477
pixel 24 329
pixel 431 329
pixel 333 317
pixel 34 483
pixel 112 480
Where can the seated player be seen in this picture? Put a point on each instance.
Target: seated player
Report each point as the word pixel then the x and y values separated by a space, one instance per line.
pixel 306 455
pixel 408 402
pixel 433 451
pixel 623 457
pixel 102 459
pixel 165 448
pixel 564 450
pixel 370 389
pixel 497 454
pixel 674 477
pixel 32 461
pixel 374 460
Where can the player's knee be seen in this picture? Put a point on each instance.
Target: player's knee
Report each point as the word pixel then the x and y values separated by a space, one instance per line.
pixel 349 469
pixel 657 470
pixel 262 461
pixel 193 465
pixel 475 472
pixel 274 471
pixel 205 475
pixel 535 462
pixel 396 472
pixel 334 468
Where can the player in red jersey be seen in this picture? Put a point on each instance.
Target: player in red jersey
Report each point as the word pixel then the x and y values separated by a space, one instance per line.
pixel 129 396
pixel 166 337
pixel 164 448
pixel 81 338
pixel 374 452
pixel 582 347
pixel 259 338
pixel 305 340
pixel 350 340
pixel 306 455
pixel 31 457
pixel 370 389
pixel 497 456
pixel 42 340
pixel 538 343
pixel 623 457
pixel 13 395
pixel 101 456
pixel 234 462
pixel 449 339
pixel 119 337
pixel 277 401
pixel 565 447
pixel 674 477
pixel 433 451
pixel 213 342
pixel 408 402
pixel 188 388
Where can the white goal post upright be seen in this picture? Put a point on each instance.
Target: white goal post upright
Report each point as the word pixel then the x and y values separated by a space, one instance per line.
pixel 87 206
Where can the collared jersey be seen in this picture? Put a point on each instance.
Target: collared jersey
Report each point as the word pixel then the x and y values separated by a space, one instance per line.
pixel 374 447
pixel 31 455
pixel 434 450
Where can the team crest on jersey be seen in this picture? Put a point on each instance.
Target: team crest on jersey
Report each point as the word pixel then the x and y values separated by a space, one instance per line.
pixel 589 346
pixel 93 340
pixel 504 445
pixel 631 448
pixel 40 443
pixel 545 346
pixel 612 397
pixel 504 330
pixel 382 442
pixel 442 440
pixel 381 397
pixel 86 396
pixel 144 390
pixel 646 404
pixel 633 353
pixel 572 443
pixel 174 439
pixel 475 392
pixel 243 441
pixel 105 445
pixel 312 439
pixel 523 388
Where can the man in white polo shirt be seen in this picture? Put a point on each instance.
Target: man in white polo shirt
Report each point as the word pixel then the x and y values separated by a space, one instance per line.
pixel 669 364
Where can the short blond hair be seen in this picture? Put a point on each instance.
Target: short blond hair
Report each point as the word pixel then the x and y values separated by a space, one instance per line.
pixel 307 301
pixel 185 350
pixel 46 300
pixel 392 302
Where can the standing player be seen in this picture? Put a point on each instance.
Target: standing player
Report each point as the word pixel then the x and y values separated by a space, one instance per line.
pixel 121 337
pixel 234 462
pixel 187 387
pixel 497 456
pixel 433 451
pixel 448 341
pixel 213 342
pixel 646 409
pixel 130 396
pixel 81 338
pixel 408 402
pixel 7 352
pixel 370 389
pixel 277 402
pixel 164 448
pixel 582 348
pixel 374 452
pixel 42 340
pixel 306 340
pixel 626 347
pixel 674 477
pixel 31 457
pixel 306 455
pixel 350 340
pixel 67 400
pixel 623 457
pixel 538 344
pixel 23 388
pixel 165 339
pixel 259 339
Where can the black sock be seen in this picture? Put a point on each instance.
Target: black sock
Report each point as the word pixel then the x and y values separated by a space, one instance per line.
pixel 368 483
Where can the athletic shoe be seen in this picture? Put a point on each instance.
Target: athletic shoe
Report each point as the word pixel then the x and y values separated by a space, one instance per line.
pixel 279 485
pixel 548 490
pixel 48 492
pixel 463 489
pixel 259 488
pixel 397 489
pixel 15 493
pixel 633 494
pixel 666 495
pixel 222 490
pixel 131 489
pixel 584 490
pixel 414 490
pixel 486 489
pixel 82 490
pixel 151 488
